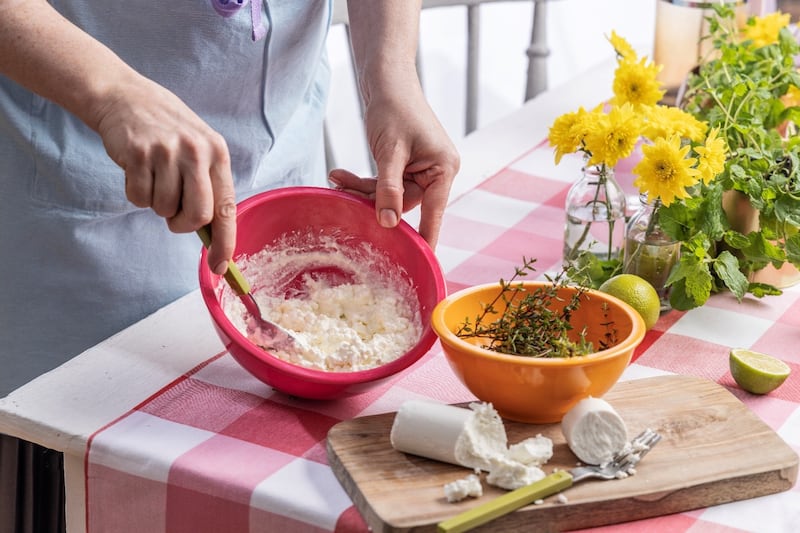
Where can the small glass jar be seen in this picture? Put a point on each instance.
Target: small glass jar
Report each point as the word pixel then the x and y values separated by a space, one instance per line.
pixel 649 252
pixel 595 209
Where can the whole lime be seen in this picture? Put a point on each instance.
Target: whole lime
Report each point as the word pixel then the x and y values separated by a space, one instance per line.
pixel 757 372
pixel 636 292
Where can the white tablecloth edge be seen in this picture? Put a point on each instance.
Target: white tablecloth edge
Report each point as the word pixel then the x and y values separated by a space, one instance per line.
pixel 60 409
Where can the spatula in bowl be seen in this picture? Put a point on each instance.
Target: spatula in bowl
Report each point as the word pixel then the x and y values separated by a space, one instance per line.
pixel 261 331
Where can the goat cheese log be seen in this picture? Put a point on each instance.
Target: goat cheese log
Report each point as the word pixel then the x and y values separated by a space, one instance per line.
pixel 466 437
pixel 594 431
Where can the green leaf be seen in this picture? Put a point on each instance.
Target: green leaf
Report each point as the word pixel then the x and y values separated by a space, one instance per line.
pixel 714 220
pixel 726 267
pixel 683 298
pixel 591 271
pixel 737 171
pixel 760 251
pixel 676 220
pixel 678 299
pixel 760 290
pixel 698 283
pixel 680 271
pixel 736 240
pixel 793 249
pixel 791 114
pixel 788 208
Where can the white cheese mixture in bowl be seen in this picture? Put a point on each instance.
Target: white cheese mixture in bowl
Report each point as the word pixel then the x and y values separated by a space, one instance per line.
pixel 349 306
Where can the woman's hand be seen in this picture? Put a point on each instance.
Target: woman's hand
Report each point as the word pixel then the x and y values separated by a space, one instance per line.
pixel 416 161
pixel 415 158
pixel 174 163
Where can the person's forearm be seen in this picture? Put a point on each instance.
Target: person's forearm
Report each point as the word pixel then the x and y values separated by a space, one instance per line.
pixel 384 36
pixel 44 52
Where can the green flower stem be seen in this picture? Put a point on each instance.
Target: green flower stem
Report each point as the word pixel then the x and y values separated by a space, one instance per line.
pixel 651 225
pixel 731 118
pixel 601 182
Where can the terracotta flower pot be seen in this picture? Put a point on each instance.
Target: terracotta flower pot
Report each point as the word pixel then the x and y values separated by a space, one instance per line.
pixel 743 217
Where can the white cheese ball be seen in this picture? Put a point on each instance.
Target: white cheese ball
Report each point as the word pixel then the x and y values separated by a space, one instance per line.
pixel 594 431
pixel 466 437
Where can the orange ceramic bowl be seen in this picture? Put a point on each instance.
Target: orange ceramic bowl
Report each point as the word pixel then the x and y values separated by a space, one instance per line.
pixel 530 389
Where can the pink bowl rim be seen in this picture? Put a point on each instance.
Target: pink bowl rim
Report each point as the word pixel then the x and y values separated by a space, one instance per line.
pixel 423 345
pixel 448 337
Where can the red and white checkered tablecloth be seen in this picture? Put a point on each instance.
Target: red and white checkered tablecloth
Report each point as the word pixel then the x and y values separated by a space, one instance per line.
pixel 216 450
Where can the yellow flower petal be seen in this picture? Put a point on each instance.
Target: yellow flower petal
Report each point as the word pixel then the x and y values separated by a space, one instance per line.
pixel 764 30
pixel 664 171
pixel 636 83
pixel 623 49
pixel 567 132
pixel 712 155
pixel 613 136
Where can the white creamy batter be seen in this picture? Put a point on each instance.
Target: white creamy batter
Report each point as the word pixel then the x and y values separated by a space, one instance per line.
pixel 368 317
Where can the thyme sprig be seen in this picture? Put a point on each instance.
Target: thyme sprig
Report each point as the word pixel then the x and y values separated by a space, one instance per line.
pixel 526 323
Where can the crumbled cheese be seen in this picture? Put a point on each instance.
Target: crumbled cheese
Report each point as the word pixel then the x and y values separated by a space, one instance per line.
pixel 368 320
pixel 561 498
pixel 459 489
pixel 509 474
pixel 475 438
pixel 483 444
pixel 532 451
pixel 482 439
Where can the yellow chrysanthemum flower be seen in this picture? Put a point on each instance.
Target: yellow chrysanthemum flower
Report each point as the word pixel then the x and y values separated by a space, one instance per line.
pixel 764 30
pixel 665 172
pixel 664 121
pixel 792 97
pixel 613 136
pixel 564 136
pixel 622 47
pixel 636 83
pixel 712 154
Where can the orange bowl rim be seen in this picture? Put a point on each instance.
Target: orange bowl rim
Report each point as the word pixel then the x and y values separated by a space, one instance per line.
pixel 448 337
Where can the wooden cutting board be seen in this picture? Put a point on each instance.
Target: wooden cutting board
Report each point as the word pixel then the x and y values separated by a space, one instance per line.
pixel 714 450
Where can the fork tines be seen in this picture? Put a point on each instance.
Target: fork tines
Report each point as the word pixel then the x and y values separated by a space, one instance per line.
pixel 633 452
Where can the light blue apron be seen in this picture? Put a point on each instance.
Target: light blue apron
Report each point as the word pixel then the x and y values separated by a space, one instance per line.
pixel 78 262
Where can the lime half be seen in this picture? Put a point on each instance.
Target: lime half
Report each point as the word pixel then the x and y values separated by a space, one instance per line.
pixel 757 372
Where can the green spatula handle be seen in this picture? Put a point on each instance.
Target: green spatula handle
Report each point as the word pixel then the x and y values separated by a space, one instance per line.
pixel 233 276
pixel 511 501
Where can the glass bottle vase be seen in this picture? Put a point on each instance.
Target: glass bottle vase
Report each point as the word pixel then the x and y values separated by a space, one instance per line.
pixel 649 252
pixel 595 210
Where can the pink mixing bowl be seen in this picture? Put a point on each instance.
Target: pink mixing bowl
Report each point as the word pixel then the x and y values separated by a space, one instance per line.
pixel 264 218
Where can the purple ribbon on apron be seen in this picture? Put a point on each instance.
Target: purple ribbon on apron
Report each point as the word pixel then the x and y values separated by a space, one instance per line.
pixel 226 8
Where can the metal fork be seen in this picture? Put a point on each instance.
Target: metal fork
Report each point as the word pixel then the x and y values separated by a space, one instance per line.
pixel 621 466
